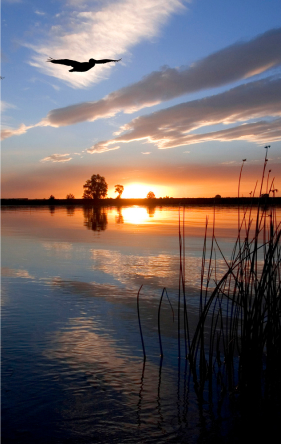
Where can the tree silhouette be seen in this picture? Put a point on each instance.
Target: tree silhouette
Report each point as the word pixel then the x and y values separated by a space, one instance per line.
pixel 119 189
pixel 151 195
pixel 95 188
pixel 52 197
pixel 70 196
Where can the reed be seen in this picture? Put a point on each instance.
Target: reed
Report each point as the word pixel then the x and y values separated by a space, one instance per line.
pixel 238 333
pixel 139 321
pixel 159 319
pixel 236 341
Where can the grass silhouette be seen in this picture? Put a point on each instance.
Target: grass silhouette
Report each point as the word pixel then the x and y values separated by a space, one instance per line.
pixel 235 344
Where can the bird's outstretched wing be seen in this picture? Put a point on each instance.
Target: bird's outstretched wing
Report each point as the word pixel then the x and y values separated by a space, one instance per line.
pixel 106 61
pixel 66 62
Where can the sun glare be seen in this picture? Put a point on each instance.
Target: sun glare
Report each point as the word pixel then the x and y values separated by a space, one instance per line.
pixel 140 190
pixel 135 215
pixel 135 190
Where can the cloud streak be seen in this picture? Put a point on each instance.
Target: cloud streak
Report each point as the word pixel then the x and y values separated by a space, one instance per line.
pixel 115 29
pixel 239 61
pixel 9 132
pixel 172 127
pixel 234 63
pixel 6 105
pixel 57 158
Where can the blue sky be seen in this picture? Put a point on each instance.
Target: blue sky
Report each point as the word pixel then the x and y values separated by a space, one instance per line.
pixel 197 90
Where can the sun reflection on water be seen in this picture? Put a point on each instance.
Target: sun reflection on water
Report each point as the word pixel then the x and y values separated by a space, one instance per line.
pixel 135 215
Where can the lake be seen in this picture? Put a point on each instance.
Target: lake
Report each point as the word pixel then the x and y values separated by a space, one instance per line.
pixel 72 359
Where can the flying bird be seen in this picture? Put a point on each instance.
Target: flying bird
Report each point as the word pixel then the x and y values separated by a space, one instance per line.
pixel 80 66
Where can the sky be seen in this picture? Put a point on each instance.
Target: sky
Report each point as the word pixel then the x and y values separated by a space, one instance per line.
pixel 196 92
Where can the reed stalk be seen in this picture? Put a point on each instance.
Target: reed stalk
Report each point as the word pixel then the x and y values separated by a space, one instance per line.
pixel 140 328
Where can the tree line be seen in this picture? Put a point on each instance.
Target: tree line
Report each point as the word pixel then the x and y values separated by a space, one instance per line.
pixel 97 188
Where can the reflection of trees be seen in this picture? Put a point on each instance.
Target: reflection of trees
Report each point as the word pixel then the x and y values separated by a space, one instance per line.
pixel 70 210
pixel 52 209
pixel 151 211
pixel 119 217
pixel 95 219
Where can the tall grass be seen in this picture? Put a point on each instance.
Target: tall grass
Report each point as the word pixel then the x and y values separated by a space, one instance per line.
pixel 242 311
pixel 236 341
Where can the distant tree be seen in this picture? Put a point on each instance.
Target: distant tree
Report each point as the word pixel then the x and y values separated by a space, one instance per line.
pixel 151 195
pixel 51 197
pixel 70 196
pixel 119 189
pixel 218 196
pixel 95 188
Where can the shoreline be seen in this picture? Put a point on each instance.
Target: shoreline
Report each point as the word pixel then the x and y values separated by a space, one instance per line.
pixel 157 202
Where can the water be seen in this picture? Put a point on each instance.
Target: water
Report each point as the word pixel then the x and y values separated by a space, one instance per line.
pixel 72 360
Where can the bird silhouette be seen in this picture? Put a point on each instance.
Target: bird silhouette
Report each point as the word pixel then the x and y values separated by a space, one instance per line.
pixel 80 66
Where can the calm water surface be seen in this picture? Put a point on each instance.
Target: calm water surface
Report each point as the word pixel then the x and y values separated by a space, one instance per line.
pixel 72 361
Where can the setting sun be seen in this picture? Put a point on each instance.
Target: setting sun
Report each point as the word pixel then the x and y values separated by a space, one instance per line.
pixel 140 190
pixel 135 190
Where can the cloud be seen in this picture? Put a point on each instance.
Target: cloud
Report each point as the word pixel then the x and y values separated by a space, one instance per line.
pixel 57 158
pixel 40 12
pixel 231 162
pixel 6 105
pixel 102 148
pixel 9 132
pixel 147 152
pixel 172 126
pixel 230 64
pixel 114 29
pixel 235 62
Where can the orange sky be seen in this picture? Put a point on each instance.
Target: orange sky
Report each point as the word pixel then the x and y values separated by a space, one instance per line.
pixel 178 181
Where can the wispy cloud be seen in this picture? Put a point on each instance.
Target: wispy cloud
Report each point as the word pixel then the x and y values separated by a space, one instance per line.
pixel 9 132
pixel 6 105
pixel 57 158
pixel 172 127
pixel 102 148
pixel 233 63
pixel 230 162
pixel 115 29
